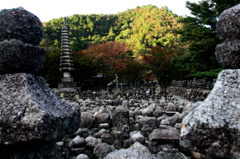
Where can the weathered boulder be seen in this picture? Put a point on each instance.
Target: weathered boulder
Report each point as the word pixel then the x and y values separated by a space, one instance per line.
pixel 171 107
pixel 138 137
pixel 18 23
pixel 82 156
pixel 78 142
pixel 30 111
pixel 228 26
pixel 228 54
pixel 228 29
pixel 101 150
pixel 17 57
pixel 147 112
pixel 102 118
pixel 87 120
pixel 212 127
pixel 164 133
pixel 136 151
pixel 120 117
pixel 99 133
pixel 92 141
pixel 158 112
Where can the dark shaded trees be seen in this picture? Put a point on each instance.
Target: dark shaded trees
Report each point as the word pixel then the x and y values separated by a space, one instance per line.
pixel 200 33
pixel 160 62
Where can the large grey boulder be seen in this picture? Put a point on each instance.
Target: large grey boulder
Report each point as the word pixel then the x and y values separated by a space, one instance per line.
pixel 136 151
pixel 87 120
pixel 30 111
pixel 228 53
pixel 82 156
pixel 92 141
pixel 164 133
pixel 18 23
pixel 228 24
pixel 120 117
pixel 213 127
pixel 17 57
pixel 101 150
pixel 138 137
pixel 147 112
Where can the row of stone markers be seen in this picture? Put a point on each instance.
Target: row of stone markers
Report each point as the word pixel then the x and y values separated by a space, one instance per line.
pixel 192 95
pixel 195 84
pixel 148 127
pixel 192 90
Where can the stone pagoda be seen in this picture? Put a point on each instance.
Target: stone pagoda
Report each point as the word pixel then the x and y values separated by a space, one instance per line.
pixel 66 62
pixel 67 88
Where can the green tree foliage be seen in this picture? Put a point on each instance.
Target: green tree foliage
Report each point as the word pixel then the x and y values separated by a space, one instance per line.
pixel 200 33
pixel 211 73
pixel 50 71
pixel 148 26
pixel 142 28
pixel 83 30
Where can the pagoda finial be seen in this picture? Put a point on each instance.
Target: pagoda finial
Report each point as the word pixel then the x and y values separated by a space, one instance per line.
pixel 64 23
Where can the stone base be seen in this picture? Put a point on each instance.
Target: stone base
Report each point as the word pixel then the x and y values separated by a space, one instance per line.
pixel 67 85
pixel 64 90
pixel 29 110
pixel 213 126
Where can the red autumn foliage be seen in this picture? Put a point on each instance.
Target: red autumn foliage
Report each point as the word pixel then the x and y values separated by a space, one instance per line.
pixel 108 53
pixel 159 61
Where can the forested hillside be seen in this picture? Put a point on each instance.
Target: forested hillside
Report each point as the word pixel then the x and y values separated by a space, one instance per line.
pixel 142 28
pixel 139 44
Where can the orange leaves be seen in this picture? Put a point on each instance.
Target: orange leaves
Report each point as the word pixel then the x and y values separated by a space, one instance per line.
pixel 160 57
pixel 108 53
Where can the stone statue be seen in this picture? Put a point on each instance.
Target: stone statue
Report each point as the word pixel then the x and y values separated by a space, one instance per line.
pixel 219 113
pixel 29 110
pixel 116 79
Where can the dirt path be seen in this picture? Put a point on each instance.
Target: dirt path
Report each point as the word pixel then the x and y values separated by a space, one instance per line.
pixel 180 100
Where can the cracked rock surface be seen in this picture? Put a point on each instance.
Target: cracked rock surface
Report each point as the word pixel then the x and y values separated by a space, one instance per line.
pixel 30 111
pixel 213 126
pixel 17 57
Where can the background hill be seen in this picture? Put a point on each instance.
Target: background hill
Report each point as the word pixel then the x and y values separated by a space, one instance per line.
pixel 140 44
pixel 142 28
